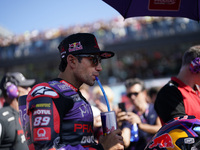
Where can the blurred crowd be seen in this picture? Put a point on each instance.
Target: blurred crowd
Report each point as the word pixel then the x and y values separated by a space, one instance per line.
pixel 107 32
pixel 143 64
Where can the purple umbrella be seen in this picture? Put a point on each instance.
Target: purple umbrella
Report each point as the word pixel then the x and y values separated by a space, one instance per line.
pixel 167 8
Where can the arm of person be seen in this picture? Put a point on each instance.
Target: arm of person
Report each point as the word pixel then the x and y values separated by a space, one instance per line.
pixel 169 103
pixel 152 129
pixel 125 126
pixel 44 122
pixel 126 134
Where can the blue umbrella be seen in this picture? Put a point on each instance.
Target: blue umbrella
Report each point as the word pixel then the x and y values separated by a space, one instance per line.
pixel 165 8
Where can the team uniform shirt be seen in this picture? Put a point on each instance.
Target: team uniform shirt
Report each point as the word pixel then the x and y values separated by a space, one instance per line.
pixel 177 99
pixel 59 117
pixel 11 132
pixel 149 117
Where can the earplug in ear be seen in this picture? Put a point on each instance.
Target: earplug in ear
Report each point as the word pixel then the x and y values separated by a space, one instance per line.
pixel 11 90
pixel 195 65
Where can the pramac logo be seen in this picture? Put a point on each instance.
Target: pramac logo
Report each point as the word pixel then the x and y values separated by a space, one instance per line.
pixel 165 5
pixel 41 134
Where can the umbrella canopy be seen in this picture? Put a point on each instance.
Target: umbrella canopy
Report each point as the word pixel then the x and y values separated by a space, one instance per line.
pixel 166 8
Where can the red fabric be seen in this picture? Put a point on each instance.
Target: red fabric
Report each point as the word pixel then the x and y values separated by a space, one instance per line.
pixel 191 99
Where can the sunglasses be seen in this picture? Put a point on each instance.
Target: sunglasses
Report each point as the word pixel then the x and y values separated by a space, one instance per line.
pixel 132 93
pixel 96 59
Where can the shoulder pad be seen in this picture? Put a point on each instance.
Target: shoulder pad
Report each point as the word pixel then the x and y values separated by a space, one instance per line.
pixel 62 88
pixel 42 90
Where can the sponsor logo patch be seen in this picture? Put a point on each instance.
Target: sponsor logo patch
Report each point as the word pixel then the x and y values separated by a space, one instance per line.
pixel 189 141
pixel 43 105
pixel 63 87
pixel 106 55
pixel 87 139
pixel 43 90
pixel 163 141
pixel 42 134
pixel 75 46
pixel 69 85
pixel 165 5
pixel 83 128
pixel 42 112
pixel 76 98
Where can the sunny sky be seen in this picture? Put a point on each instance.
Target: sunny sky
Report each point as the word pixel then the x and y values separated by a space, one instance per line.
pixel 19 16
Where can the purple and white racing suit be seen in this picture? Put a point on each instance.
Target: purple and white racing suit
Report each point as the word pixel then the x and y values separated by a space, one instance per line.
pixel 60 118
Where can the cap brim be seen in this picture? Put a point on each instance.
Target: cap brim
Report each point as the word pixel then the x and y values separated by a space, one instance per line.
pixel 27 82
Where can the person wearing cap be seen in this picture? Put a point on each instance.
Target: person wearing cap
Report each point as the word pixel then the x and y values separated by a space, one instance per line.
pixel 13 85
pixel 60 117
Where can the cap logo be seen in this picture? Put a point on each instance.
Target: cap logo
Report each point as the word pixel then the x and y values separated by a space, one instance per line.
pixel 62 49
pixel 106 55
pixel 96 46
pixel 63 52
pixel 75 46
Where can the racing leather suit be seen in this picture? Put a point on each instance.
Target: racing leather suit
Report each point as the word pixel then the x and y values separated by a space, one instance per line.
pixel 60 118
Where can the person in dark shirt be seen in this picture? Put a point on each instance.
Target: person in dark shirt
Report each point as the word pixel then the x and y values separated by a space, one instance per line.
pixel 13 85
pixel 142 115
pixel 60 117
pixel 181 95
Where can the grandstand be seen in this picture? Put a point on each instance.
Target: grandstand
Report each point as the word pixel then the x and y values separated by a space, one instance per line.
pixel 148 48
